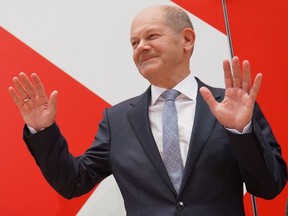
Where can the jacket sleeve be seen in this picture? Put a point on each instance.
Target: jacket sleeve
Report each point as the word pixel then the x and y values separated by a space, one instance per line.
pixel 70 176
pixel 261 164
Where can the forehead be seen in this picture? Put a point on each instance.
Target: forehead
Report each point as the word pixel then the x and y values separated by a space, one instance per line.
pixel 148 19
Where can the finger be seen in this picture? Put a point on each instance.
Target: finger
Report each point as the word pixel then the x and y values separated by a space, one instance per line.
pixel 27 85
pixel 256 87
pixel 38 86
pixel 15 97
pixel 20 88
pixel 208 97
pixel 237 77
pixel 246 84
pixel 227 74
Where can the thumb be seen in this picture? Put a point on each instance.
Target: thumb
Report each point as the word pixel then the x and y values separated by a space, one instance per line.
pixel 208 97
pixel 53 98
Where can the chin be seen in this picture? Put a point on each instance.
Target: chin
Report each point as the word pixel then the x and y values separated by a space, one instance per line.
pixel 148 72
pixel 149 69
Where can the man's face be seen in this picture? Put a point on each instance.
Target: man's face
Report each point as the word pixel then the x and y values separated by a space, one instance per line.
pixel 157 49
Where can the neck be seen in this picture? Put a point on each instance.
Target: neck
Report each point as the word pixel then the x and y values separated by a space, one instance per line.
pixel 171 81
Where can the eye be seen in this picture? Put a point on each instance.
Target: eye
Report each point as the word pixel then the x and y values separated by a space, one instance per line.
pixel 134 44
pixel 153 36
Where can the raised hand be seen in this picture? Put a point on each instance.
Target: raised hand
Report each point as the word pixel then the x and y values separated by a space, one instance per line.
pixel 236 109
pixel 37 110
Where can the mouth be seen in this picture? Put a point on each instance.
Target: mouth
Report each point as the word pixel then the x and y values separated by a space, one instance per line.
pixel 145 59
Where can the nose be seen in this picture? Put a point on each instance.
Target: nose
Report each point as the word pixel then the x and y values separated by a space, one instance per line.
pixel 142 46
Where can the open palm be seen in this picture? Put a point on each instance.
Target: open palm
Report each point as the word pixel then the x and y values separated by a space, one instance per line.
pixel 37 110
pixel 236 109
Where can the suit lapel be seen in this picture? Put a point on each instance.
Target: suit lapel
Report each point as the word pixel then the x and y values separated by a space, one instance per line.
pixel 139 120
pixel 204 122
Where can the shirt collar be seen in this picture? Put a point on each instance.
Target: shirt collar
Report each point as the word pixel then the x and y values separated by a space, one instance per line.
pixel 188 87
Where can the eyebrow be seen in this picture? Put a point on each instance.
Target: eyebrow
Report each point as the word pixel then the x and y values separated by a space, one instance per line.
pixel 147 31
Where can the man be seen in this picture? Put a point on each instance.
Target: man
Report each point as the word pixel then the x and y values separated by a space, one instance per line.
pixel 224 138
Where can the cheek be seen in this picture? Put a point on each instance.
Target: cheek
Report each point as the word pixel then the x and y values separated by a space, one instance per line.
pixel 135 57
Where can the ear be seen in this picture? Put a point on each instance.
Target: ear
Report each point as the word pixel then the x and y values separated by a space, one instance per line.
pixel 189 39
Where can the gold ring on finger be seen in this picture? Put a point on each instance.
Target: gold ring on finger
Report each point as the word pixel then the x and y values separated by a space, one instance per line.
pixel 26 99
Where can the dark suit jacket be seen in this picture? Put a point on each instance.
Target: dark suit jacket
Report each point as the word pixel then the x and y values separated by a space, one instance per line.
pixel 218 162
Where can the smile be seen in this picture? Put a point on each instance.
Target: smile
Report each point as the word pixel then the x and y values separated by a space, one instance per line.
pixel 146 59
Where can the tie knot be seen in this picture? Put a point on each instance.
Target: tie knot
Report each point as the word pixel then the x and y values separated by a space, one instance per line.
pixel 170 94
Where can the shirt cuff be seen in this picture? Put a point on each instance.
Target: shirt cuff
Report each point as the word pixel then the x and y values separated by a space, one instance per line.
pixel 32 130
pixel 247 129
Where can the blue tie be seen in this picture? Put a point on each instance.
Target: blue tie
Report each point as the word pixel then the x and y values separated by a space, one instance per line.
pixel 171 149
